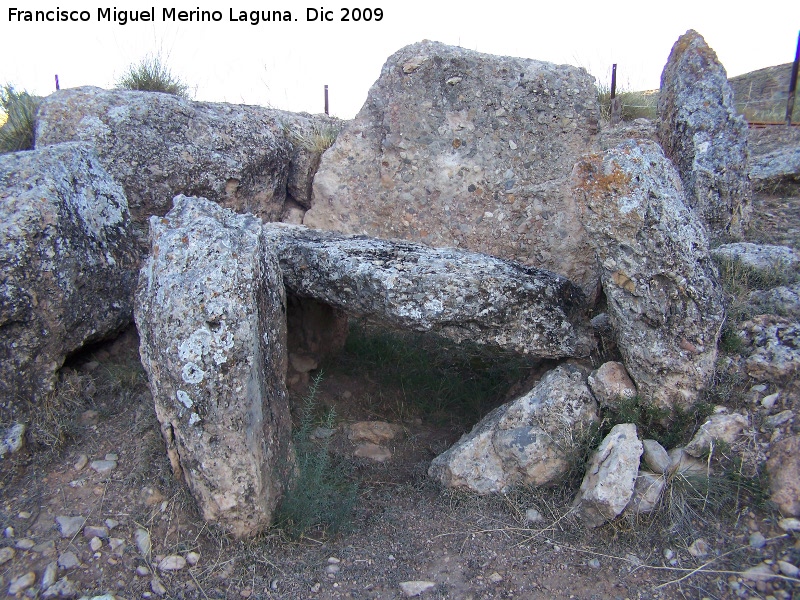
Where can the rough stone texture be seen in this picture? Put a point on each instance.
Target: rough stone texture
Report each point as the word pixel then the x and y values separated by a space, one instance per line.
pixel 774 344
pixel 701 132
pixel 610 478
pixel 461 295
pixel 758 256
pixel 783 468
pixel 159 145
pixel 655 456
pixel 458 148
pixel 610 382
pixel 12 439
pixel 210 309
pixel 375 432
pixel 720 427
pixel 638 129
pixel 67 260
pixel 664 299
pixel 774 156
pixel 646 493
pixel 523 441
pixel 783 301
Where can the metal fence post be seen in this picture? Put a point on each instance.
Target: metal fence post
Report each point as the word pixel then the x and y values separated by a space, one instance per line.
pixel 793 84
pixel 326 99
pixel 616 106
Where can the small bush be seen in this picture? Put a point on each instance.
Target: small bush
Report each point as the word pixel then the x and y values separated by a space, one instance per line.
pixel 19 126
pixel 322 494
pixel 634 105
pixel 151 75
pixel 319 138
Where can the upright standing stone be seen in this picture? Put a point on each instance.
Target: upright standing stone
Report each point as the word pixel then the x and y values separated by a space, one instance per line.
pixel 701 132
pixel 211 315
pixel 664 299
pixel 67 260
pixel 458 148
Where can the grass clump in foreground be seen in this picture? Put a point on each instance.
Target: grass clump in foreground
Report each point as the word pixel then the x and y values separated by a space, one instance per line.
pixel 17 119
pixel 151 74
pixel 317 139
pixel 634 105
pixel 322 493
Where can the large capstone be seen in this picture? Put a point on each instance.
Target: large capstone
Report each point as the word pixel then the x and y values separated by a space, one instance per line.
pixel 458 148
pixel 461 295
pixel 664 298
pixel 67 261
pixel 701 131
pixel 526 441
pixel 210 309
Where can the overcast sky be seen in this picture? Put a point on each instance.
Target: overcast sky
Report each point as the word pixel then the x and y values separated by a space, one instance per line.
pixel 286 64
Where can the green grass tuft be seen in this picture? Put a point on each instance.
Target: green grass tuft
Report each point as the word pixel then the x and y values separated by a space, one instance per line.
pixel 18 118
pixel 316 140
pixel 151 74
pixel 634 105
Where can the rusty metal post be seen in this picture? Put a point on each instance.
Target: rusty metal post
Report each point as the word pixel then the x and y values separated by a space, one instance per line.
pixel 58 87
pixel 326 99
pixel 616 105
pixel 793 84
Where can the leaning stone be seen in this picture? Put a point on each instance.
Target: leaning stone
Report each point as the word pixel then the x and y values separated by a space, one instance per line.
pixel 774 348
pixel 646 493
pixel 655 456
pixel 610 477
pixel 460 295
pixel 702 132
pixel 526 441
pixel 720 427
pixel 210 309
pixel 764 257
pixel 461 149
pixel 67 257
pixel 783 468
pixel 664 298
pixel 611 383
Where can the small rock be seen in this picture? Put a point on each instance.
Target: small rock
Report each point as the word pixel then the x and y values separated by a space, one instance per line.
pixel 173 562
pixel 373 452
pixel 656 457
pixel 142 571
pixel 790 524
pixel 6 554
pixel 21 583
pixel 12 439
pixel 611 383
pixel 699 548
pixel 668 554
pixel 315 588
pixel 91 531
pixel 68 560
pixel 788 568
pixel 117 545
pixel 761 572
pixel 103 467
pixel 89 418
pixel 375 432
pixel 192 558
pixel 95 544
pixel 684 464
pixel 112 457
pixel 415 588
pixel 757 540
pixel 63 588
pixel 332 569
pixel 111 523
pixel 594 563
pixel 24 544
pixel 142 539
pixel 774 421
pixel 8 532
pixel 769 401
pixel 49 576
pixel 646 493
pixel 46 549
pixel 725 427
pixel 24 515
pixel 533 516
pixel 70 526
pixel 332 560
pixel 495 577
pixel 157 587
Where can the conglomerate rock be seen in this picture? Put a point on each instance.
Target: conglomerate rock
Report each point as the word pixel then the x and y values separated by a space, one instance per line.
pixel 461 295
pixel 210 309
pixel 664 299
pixel 458 148
pixel 67 260
pixel 527 440
pixel 701 131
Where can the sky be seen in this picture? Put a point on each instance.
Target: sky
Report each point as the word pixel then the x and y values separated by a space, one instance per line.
pixel 286 65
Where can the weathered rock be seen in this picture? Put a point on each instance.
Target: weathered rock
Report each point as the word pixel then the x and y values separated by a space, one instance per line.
pixel 610 383
pixel 783 468
pixel 724 427
pixel 67 259
pixel 687 465
pixel 375 432
pixel 415 588
pixel 783 301
pixel 374 452
pixel 458 294
pixel 458 148
pixel 758 256
pixel 210 309
pixel 664 299
pixel 774 154
pixel 524 441
pixel 12 439
pixel 774 344
pixel 646 493
pixel 610 477
pixel 656 457
pixel 69 527
pixel 159 145
pixel 701 132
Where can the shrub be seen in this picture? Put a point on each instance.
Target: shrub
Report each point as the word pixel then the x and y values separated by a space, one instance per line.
pixel 322 493
pixel 18 130
pixel 317 139
pixel 635 105
pixel 151 75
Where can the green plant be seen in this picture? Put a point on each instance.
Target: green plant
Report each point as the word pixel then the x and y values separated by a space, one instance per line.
pixel 322 493
pixel 151 74
pixel 633 105
pixel 17 131
pixel 318 138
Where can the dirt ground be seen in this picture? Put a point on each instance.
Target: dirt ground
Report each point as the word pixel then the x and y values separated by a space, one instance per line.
pixel 404 527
